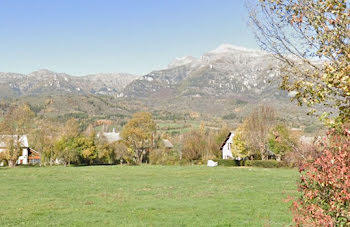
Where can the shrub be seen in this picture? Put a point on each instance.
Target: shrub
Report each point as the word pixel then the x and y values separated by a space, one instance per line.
pixel 282 140
pixel 325 186
pixel 265 163
pixel 163 157
pixel 229 116
pixel 302 151
pixel 156 157
pixel 312 128
pixel 193 146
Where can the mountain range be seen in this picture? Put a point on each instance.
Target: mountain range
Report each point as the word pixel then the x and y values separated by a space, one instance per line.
pixel 45 82
pixel 225 83
pixel 227 71
pixel 224 72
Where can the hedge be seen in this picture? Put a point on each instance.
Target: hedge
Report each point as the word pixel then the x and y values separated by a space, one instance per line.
pixel 253 163
pixel 265 163
pixel 228 162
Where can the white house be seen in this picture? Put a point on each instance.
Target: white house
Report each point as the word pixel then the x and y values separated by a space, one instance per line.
pixel 110 136
pixel 226 146
pixel 28 155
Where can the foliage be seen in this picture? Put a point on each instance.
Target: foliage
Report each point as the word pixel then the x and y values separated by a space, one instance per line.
pixel 139 133
pixel 15 124
pixel 71 128
pixel 43 137
pixel 215 140
pixel 203 144
pixel 13 149
pixel 163 157
pixel 67 150
pixel 304 152
pixel 70 146
pixel 88 148
pixel 239 147
pixel 265 163
pixel 325 186
pixel 194 145
pixel 229 116
pixel 312 128
pixel 17 120
pixel 281 140
pixel 123 153
pixel 253 133
pixel 300 31
pixel 76 150
pixel 105 152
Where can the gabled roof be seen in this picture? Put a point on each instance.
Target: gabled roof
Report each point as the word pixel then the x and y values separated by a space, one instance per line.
pixel 22 139
pixel 167 143
pixel 227 138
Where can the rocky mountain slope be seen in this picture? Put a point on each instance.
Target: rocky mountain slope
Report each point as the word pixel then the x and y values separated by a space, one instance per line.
pixel 226 83
pixel 47 82
pixel 227 71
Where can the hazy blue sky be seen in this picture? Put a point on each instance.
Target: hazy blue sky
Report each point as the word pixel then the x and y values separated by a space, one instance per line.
pixel 136 36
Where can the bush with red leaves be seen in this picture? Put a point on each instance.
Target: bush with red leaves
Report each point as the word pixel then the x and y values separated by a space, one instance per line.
pixel 325 185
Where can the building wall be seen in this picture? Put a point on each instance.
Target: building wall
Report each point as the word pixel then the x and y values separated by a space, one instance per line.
pixel 226 150
pixel 23 159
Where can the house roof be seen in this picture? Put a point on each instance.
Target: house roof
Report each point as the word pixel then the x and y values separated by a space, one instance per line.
pixel 22 139
pixel 167 143
pixel 227 138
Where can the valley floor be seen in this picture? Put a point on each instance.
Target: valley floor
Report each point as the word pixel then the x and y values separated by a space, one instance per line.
pixel 146 196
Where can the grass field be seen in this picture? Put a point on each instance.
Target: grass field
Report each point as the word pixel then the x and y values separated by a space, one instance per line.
pixel 145 196
pixel 178 127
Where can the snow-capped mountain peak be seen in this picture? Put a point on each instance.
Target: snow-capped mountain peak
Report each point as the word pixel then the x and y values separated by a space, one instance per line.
pixel 226 71
pixel 223 50
pixel 227 48
pixel 182 61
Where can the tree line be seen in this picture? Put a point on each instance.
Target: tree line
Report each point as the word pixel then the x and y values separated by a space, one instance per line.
pixel 66 143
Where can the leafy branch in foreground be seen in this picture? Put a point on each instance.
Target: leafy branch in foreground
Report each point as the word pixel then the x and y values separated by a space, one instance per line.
pixel 312 39
pixel 325 185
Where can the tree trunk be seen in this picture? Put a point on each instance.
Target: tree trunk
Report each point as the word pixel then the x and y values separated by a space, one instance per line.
pixel 140 161
pixel 139 157
pixel 11 163
pixel 263 154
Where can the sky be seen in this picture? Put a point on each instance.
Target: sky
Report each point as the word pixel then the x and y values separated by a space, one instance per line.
pixel 81 37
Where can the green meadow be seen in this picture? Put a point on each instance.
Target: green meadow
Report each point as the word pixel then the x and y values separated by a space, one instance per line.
pixel 146 196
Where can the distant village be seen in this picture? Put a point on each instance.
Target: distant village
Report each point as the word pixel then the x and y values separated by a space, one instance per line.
pixel 259 137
